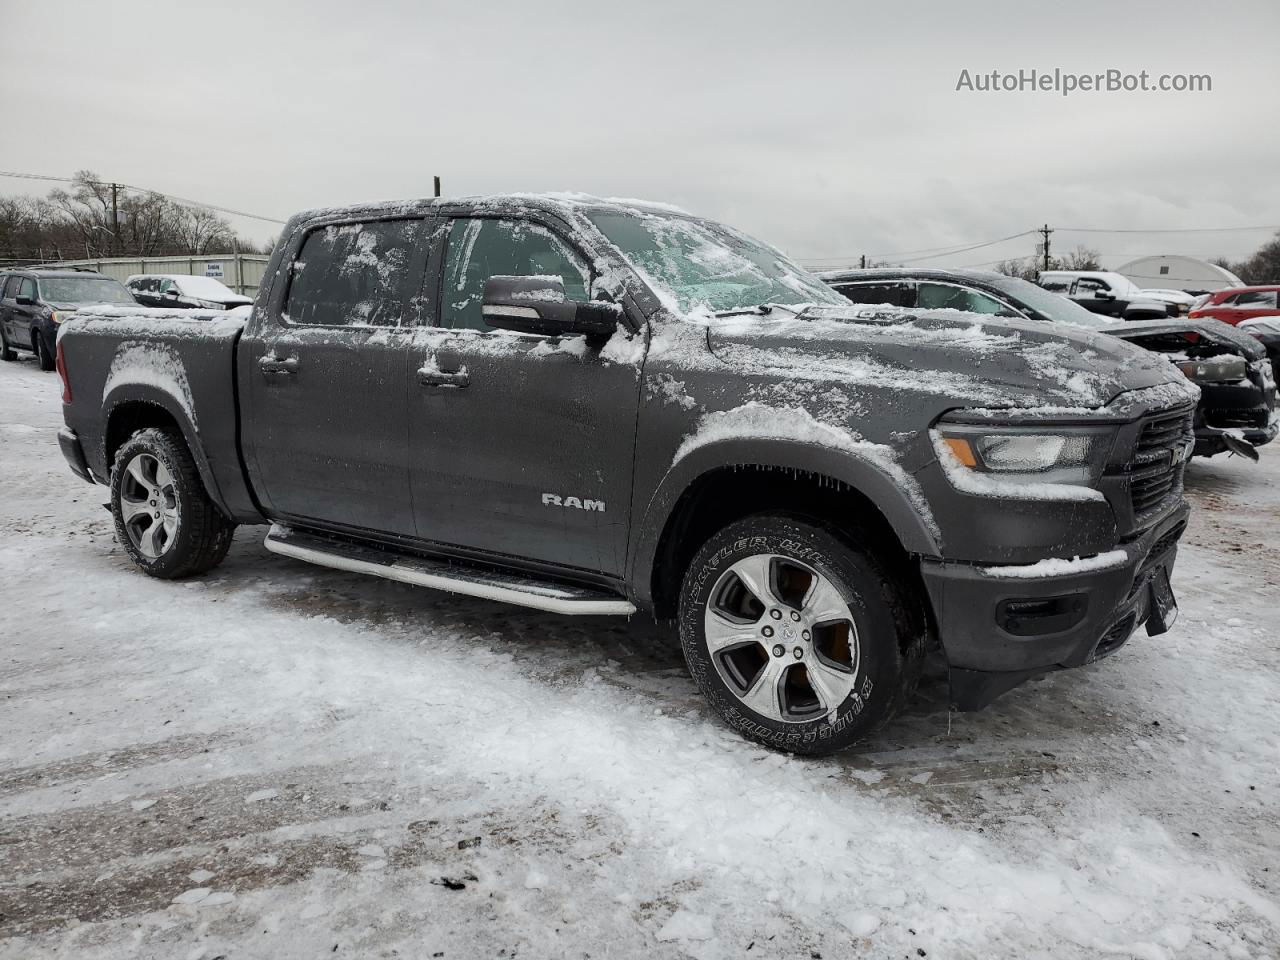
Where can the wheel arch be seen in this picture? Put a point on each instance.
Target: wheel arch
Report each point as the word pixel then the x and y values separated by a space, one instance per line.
pixel 720 482
pixel 134 407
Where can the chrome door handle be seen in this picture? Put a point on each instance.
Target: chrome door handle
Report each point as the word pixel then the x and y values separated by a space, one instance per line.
pixel 433 377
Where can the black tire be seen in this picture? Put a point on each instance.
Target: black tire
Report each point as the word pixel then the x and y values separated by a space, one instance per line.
pixel 6 351
pixel 44 356
pixel 201 534
pixel 881 671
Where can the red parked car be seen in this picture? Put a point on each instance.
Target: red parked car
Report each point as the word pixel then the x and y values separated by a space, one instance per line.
pixel 1239 303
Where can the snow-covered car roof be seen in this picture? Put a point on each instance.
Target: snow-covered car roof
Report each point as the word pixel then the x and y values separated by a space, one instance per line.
pixel 206 288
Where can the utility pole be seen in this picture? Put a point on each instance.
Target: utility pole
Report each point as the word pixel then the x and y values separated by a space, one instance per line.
pixel 115 220
pixel 437 180
pixel 1045 231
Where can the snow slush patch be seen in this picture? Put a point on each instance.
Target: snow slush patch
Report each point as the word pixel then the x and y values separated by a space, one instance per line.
pixel 684 925
pixel 1054 567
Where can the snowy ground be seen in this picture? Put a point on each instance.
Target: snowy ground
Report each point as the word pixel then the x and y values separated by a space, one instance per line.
pixel 280 761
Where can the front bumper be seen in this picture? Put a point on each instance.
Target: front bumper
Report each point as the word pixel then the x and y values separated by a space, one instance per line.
pixel 999 630
pixel 74 453
pixel 1243 410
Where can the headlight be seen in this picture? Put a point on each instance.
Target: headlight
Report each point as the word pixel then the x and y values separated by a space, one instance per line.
pixel 58 317
pixel 1017 455
pixel 1215 369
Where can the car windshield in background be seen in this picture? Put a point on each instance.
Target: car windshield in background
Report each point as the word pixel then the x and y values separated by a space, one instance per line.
pixel 705 266
pixel 1055 306
pixel 206 288
pixel 83 290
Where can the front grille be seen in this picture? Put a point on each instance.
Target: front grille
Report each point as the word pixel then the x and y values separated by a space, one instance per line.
pixel 1155 470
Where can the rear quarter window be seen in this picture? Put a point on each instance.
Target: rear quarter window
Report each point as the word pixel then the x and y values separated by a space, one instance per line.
pixel 354 274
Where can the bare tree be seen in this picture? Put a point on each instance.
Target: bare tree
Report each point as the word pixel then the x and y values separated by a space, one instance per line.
pixel 1261 269
pixel 79 222
pixel 1025 269
pixel 1081 258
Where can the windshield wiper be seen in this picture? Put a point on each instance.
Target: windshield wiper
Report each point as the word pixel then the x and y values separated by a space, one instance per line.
pixel 761 310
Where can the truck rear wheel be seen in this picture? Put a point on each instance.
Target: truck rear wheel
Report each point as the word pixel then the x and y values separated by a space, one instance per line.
pixel 799 639
pixel 164 518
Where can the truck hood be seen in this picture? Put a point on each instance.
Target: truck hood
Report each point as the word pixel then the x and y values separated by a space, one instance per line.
pixel 963 359
pixel 1166 335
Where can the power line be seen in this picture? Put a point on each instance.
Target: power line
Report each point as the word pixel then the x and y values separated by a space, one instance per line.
pixel 1167 230
pixel 933 251
pixel 976 246
pixel 167 196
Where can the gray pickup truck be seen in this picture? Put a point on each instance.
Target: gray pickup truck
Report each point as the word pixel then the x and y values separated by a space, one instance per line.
pixel 597 407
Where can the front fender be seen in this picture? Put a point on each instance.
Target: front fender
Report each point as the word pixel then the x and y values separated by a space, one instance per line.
pixel 877 476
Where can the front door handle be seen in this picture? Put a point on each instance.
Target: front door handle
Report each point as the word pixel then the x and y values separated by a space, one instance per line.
pixel 435 377
pixel 276 365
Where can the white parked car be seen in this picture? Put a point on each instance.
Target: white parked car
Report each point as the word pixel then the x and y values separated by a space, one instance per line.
pixel 183 291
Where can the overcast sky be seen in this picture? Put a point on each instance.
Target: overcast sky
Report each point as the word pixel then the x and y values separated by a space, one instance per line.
pixel 831 129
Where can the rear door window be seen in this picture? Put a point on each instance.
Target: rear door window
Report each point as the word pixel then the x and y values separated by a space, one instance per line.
pixel 893 294
pixel 945 296
pixel 354 274
pixel 481 248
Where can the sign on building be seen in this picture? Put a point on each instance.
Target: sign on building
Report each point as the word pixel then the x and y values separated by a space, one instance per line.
pixel 212 269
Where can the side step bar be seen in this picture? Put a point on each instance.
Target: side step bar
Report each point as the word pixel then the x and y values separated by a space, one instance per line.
pixel 441 575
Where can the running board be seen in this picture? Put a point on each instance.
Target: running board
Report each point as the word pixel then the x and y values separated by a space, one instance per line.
pixel 441 575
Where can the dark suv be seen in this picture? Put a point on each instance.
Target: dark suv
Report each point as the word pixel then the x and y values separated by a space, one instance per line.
pixel 33 304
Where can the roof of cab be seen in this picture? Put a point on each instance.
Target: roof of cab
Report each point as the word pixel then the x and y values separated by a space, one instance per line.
pixel 551 202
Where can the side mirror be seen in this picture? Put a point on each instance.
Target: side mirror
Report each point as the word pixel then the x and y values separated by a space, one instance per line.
pixel 538 305
pixel 26 302
pixel 171 293
pixel 1101 294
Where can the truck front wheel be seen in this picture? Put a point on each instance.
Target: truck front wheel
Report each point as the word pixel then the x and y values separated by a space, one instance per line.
pixel 798 638
pixel 164 518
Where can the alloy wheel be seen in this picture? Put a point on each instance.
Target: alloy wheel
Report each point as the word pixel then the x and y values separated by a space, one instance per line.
pixel 782 638
pixel 149 505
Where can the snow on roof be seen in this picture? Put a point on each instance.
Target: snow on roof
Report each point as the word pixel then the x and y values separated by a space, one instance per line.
pixel 563 202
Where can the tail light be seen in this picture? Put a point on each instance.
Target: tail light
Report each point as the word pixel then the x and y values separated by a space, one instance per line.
pixel 61 361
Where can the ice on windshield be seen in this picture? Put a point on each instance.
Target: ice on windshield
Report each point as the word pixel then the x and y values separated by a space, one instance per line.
pixel 83 290
pixel 205 288
pixel 703 267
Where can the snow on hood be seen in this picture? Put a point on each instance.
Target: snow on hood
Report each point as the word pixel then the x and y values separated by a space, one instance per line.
pixel 972 358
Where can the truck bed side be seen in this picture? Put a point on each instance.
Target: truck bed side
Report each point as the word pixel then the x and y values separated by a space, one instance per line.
pixel 160 369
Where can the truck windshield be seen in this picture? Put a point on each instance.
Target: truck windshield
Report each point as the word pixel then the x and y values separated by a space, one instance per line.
pixel 84 290
pixel 706 267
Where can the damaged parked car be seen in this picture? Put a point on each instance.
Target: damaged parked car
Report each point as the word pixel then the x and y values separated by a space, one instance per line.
pixel 1237 383
pixel 601 407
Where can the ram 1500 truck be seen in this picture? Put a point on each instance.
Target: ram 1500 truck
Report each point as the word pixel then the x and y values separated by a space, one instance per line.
pixel 597 407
